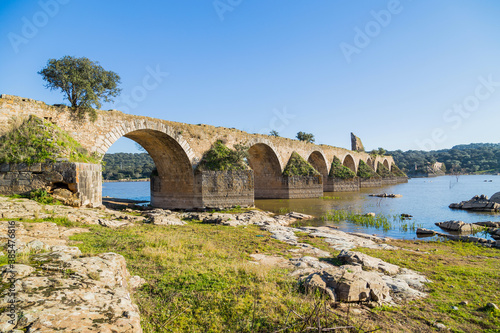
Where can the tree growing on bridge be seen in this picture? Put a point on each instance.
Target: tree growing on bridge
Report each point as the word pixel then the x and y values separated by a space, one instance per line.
pixel 83 82
pixel 274 133
pixel 307 137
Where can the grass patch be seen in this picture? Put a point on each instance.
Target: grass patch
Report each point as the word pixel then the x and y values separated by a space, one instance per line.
pixel 380 221
pixel 61 221
pixel 234 210
pixel 37 141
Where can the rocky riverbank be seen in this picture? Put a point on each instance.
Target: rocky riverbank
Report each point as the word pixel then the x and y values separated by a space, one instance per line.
pixel 55 281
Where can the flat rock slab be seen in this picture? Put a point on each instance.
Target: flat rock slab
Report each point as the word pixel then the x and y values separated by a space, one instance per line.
pixel 70 293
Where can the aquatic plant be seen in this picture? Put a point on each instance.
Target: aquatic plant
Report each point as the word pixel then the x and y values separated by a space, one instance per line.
pixel 379 221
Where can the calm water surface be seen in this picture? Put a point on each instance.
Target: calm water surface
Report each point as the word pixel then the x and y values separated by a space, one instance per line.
pixel 427 199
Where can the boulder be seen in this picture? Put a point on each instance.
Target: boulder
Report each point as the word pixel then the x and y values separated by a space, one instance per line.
pixel 349 284
pixel 114 223
pixel 423 231
pixel 458 226
pixel 367 262
pixel 66 197
pixel 479 203
pixel 163 217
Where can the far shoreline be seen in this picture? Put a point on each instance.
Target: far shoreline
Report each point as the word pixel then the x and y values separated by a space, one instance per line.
pixel 125 180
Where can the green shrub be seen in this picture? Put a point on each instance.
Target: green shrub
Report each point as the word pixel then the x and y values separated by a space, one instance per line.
pixel 396 171
pixel 297 166
pixel 365 171
pixel 221 158
pixel 41 196
pixel 340 171
pixel 38 141
pixel 383 171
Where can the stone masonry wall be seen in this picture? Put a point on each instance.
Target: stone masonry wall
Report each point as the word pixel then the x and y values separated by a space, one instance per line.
pixel 342 185
pixel 224 189
pixel 297 187
pixel 83 179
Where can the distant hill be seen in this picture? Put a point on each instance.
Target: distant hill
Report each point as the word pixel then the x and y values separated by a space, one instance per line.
pixel 476 146
pixel 467 158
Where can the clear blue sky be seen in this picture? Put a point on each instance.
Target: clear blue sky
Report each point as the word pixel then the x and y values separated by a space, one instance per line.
pixel 399 74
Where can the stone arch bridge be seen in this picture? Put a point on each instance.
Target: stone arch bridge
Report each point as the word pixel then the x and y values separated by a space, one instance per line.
pixel 177 148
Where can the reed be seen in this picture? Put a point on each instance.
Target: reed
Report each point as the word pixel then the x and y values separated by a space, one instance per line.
pixel 379 221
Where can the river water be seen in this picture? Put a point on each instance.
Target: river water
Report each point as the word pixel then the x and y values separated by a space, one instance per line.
pixel 426 199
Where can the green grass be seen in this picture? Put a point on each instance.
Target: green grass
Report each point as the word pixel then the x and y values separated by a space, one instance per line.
pixel 60 221
pixel 379 221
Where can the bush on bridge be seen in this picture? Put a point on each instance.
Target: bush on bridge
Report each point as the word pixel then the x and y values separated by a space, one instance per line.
pixel 38 141
pixel 383 171
pixel 340 171
pixel 222 158
pixel 365 171
pixel 396 171
pixel 297 166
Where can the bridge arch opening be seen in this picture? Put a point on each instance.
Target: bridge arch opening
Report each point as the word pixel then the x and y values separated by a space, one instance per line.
pixel 370 163
pixel 349 162
pixel 172 182
pixel 317 160
pixel 386 164
pixel 267 171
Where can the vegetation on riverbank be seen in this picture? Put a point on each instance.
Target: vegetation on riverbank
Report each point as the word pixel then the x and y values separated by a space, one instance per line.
pixel 200 280
pixel 36 141
pixel 378 221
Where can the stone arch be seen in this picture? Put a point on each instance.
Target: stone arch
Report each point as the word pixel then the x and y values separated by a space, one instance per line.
pixel 350 163
pixel 318 161
pixel 267 170
pixel 387 164
pixel 173 187
pixel 371 163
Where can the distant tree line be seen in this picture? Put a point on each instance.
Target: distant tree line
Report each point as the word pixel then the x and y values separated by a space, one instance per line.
pixel 127 166
pixel 471 158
